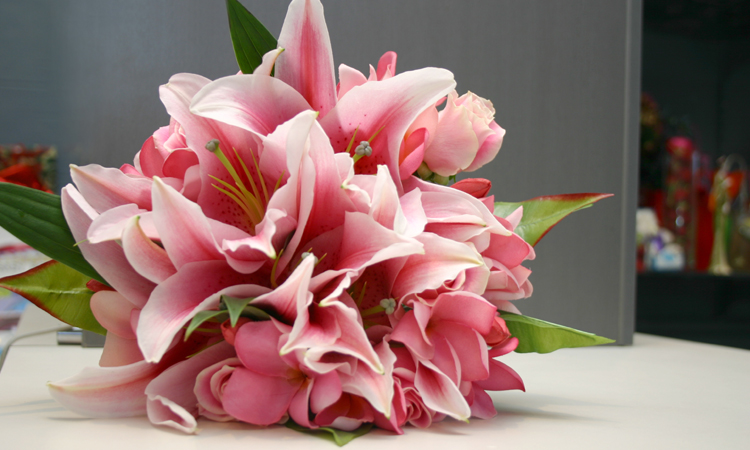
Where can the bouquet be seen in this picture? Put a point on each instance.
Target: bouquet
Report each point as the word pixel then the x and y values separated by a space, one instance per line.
pixel 289 250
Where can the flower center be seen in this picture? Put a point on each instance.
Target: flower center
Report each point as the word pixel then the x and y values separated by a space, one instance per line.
pixel 253 200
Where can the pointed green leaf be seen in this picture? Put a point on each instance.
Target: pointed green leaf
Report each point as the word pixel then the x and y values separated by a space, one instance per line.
pixel 251 40
pixel 36 218
pixel 198 320
pixel 235 306
pixel 539 336
pixel 59 290
pixel 341 438
pixel 542 213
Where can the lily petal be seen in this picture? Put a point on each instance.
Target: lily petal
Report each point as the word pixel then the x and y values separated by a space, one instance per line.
pixel 107 258
pixel 195 287
pixel 387 108
pixel 106 188
pixel 439 393
pixel 171 398
pixel 307 63
pixel 106 392
pixel 146 257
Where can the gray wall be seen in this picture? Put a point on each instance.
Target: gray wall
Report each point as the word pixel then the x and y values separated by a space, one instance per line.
pixel 563 75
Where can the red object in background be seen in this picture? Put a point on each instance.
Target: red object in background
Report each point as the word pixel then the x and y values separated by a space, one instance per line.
pixel 31 167
pixel 680 147
pixel 23 175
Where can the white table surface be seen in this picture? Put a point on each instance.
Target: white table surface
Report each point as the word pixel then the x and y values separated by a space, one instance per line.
pixel 658 394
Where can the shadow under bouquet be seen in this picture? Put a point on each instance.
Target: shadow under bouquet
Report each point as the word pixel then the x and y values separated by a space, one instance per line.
pixel 289 250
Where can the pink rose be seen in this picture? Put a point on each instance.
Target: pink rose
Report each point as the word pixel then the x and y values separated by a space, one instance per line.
pixel 466 136
pixel 209 389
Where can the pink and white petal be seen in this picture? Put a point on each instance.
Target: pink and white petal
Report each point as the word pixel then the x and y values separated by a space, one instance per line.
pixel 258 399
pixel 326 390
pixel 502 378
pixel 191 187
pixel 381 244
pixel 150 160
pixel 106 392
pixel 209 389
pixel 128 169
pixel 409 333
pixel 171 398
pixel 177 96
pixel 473 349
pixel 349 78
pixel 105 188
pixel 113 311
pixel 184 230
pixel 387 65
pixel 257 345
pixel 333 328
pixel 477 207
pixel 109 225
pixel 269 59
pixel 256 103
pixel 294 291
pixel 443 260
pixel 179 92
pixel 454 131
pixel 439 393
pixel 147 258
pixel 446 360
pixel 482 406
pixel 178 162
pixel 470 310
pixel 119 351
pixel 299 407
pixel 515 217
pixel 323 203
pixel 391 106
pixel 507 306
pixel 258 247
pixel 503 349
pixel 509 251
pixel 307 63
pixel 385 207
pixel 411 154
pixel 489 148
pixel 376 388
pixel 107 258
pixel 195 287
pixel 416 219
pixel 284 151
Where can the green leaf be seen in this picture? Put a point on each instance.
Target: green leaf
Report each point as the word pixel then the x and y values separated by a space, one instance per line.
pixel 235 306
pixel 36 218
pixel 341 438
pixel 59 290
pixel 198 319
pixel 539 336
pixel 251 40
pixel 239 307
pixel 542 213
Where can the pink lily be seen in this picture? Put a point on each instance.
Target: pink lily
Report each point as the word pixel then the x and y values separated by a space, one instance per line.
pixel 307 62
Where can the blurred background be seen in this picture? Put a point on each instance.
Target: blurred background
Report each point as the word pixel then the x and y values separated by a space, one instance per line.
pixel 569 81
pixel 693 218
